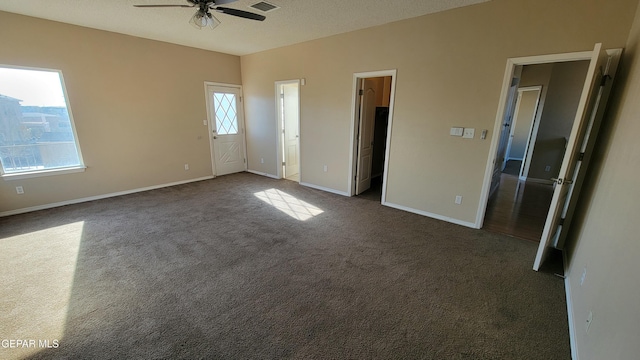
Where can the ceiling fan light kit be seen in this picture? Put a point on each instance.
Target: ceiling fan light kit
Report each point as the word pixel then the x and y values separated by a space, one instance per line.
pixel 203 18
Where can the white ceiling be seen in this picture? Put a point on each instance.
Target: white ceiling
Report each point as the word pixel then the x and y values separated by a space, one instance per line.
pixel 296 20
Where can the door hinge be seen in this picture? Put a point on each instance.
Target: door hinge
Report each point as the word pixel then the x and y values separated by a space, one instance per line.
pixel 244 161
pixel 360 92
pixel 240 98
pixel 561 222
pixel 284 163
pixel 581 156
pixel 281 96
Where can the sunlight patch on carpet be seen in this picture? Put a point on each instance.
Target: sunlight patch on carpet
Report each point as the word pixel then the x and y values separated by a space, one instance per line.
pixel 288 204
pixel 36 272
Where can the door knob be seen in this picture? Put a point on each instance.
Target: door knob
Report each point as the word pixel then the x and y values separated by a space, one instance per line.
pixel 215 137
pixel 562 181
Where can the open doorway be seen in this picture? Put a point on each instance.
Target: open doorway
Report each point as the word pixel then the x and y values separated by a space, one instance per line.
pixel 570 152
pixel 372 109
pixel 288 107
pixel 535 134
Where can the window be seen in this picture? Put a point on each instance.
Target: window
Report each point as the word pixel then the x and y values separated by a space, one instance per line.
pixel 37 134
pixel 225 108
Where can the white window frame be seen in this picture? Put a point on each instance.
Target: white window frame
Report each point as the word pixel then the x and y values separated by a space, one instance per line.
pixel 56 171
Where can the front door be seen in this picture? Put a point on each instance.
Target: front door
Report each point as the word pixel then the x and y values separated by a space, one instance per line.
pixel 589 113
pixel 227 135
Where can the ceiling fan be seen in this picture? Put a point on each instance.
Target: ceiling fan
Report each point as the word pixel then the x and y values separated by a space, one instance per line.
pixel 203 17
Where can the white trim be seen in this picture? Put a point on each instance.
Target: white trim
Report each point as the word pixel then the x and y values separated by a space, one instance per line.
pixel 67 103
pixel 333 191
pixel 572 327
pixel 533 132
pixel 514 124
pixel 506 84
pixel 279 155
pixel 99 197
pixel 41 173
pixel 351 185
pixel 539 181
pixel 431 215
pixel 264 174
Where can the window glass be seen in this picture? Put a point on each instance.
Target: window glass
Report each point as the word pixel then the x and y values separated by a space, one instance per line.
pixel 36 130
pixel 226 117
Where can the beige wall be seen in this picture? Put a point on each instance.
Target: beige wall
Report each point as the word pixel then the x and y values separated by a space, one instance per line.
pixel 561 102
pixel 138 107
pixel 605 239
pixel 450 69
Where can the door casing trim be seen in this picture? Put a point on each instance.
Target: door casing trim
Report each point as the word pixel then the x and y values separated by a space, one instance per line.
pixel 351 184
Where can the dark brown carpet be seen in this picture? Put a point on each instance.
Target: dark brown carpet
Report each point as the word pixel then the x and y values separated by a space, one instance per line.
pixel 209 270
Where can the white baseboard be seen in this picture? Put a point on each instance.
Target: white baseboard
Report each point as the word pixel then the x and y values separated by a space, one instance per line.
pixel 540 181
pixel 572 327
pixel 333 191
pixel 98 197
pixel 263 174
pixel 431 215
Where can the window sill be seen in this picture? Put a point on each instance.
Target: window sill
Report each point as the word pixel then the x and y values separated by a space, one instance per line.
pixel 41 173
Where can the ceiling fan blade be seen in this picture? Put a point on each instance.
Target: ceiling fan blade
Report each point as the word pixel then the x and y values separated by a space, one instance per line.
pixel 157 6
pixel 222 2
pixel 240 13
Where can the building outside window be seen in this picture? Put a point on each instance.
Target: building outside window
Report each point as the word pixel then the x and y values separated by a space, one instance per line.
pixel 37 134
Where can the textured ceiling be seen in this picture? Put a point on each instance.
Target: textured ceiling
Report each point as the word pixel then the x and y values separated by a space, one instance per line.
pixel 296 20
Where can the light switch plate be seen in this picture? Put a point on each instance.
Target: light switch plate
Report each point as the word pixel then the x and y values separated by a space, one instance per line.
pixel 456 131
pixel 469 133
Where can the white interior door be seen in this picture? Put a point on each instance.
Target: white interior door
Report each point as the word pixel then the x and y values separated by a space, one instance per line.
pixel 365 135
pixel 291 134
pixel 499 161
pixel 227 135
pixel 589 112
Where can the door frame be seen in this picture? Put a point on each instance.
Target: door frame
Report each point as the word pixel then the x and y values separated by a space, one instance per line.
pixel 533 128
pixel 211 126
pixel 279 129
pixel 355 123
pixel 506 84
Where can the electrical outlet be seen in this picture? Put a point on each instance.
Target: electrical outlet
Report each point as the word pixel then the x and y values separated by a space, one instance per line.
pixel 261 160
pixel 325 168
pixel 547 168
pixel 19 190
pixel 186 166
pixel 204 122
pixel 589 321
pixel 458 199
